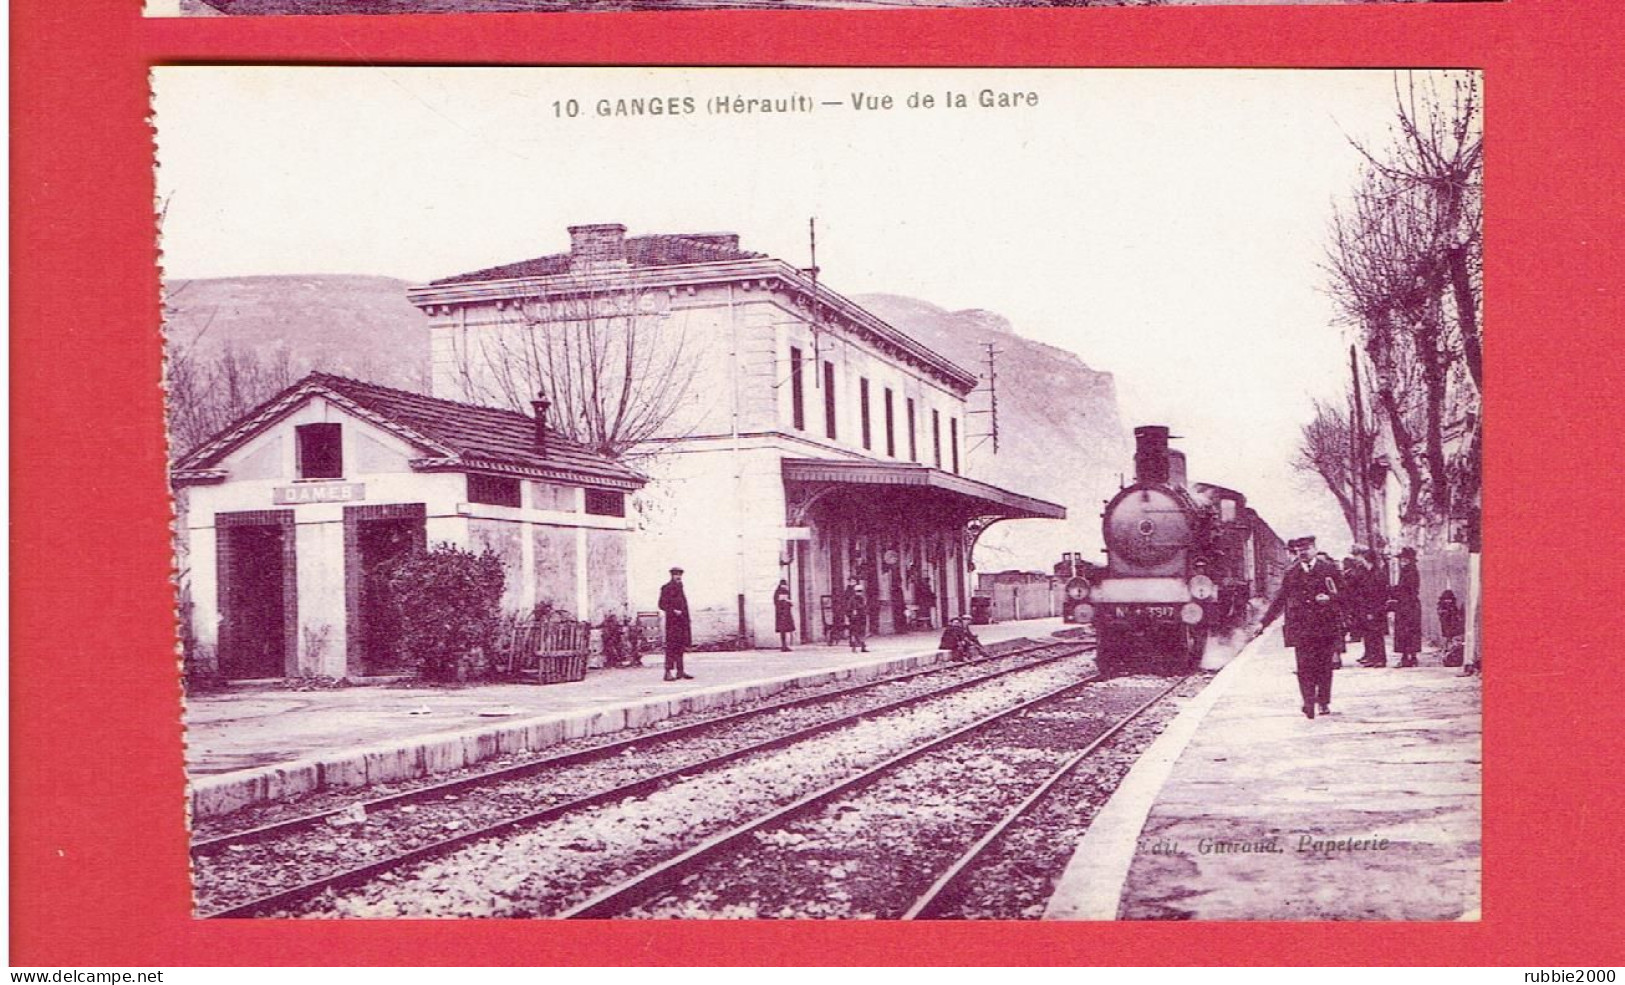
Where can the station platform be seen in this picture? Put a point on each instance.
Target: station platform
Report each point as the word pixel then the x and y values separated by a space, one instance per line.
pixel 248 744
pixel 1244 809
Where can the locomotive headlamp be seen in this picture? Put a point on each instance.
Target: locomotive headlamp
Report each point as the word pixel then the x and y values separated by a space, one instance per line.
pixel 1083 613
pixel 1190 613
pixel 1202 588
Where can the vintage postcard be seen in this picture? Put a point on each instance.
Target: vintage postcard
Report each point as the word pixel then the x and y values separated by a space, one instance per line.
pixel 826 494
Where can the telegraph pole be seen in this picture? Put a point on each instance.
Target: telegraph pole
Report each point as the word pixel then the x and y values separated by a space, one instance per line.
pixel 1357 452
pixel 992 395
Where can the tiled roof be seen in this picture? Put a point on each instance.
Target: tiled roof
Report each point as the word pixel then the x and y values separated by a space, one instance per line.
pixel 664 250
pixel 474 436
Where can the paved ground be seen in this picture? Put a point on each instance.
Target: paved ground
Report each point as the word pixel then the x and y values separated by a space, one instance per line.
pixel 246 727
pixel 1371 813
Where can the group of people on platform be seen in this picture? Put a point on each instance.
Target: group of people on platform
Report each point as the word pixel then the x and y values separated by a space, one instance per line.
pixel 853 610
pixel 1324 604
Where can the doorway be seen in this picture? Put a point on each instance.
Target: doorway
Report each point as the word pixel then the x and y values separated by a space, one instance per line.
pixel 376 537
pixel 255 557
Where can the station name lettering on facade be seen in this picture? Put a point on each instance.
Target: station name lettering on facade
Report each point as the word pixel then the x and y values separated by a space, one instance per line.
pixel 324 492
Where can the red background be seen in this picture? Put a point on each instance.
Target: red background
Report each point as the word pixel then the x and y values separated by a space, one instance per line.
pixel 98 848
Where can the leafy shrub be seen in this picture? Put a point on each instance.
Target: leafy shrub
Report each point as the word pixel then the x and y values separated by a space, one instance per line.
pixel 449 604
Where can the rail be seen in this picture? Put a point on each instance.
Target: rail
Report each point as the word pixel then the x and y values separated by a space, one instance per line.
pixel 357 875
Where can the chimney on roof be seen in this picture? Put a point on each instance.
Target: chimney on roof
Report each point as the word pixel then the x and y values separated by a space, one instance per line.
pixel 600 245
pixel 539 406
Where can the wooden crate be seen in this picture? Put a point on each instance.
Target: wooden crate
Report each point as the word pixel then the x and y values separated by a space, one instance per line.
pixel 561 668
pixel 553 651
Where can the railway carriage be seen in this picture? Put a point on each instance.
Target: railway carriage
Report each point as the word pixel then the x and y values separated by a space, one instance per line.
pixel 1184 562
pixel 1076 576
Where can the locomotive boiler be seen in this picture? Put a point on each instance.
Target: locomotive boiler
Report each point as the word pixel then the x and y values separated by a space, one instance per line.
pixel 1183 562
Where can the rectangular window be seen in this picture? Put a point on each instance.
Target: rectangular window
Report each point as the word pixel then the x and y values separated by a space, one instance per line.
pixel 549 496
pixel 953 442
pixel 798 407
pixel 891 433
pixel 863 410
pixel 606 502
pixel 829 400
pixel 494 490
pixel 913 446
pixel 936 437
pixel 321 451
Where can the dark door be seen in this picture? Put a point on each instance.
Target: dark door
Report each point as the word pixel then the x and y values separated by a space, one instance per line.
pixel 801 549
pixel 253 630
pixel 380 544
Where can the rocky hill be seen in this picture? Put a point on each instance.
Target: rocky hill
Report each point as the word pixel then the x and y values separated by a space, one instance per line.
pixel 1060 435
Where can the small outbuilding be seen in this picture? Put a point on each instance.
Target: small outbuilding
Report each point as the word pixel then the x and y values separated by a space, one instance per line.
pixel 287 518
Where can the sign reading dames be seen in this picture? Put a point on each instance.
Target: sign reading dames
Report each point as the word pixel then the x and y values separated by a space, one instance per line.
pixel 319 492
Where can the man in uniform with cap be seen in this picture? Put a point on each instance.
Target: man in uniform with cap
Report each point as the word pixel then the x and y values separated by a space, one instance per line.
pixel 674 603
pixel 1309 598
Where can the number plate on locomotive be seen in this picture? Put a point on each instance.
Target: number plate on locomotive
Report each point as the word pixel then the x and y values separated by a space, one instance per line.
pixel 1155 612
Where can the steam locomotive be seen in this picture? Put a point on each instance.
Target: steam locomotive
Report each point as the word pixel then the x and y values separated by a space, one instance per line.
pixel 1184 561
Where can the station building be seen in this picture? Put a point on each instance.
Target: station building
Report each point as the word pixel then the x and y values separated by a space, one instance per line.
pixel 813 441
pixel 1013 595
pixel 286 516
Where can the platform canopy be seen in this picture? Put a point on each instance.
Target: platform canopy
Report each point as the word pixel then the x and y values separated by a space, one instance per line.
pixel 972 498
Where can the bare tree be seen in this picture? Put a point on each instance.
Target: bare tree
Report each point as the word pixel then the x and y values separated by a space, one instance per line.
pixel 1325 451
pixel 209 390
pixel 1439 150
pixel 616 367
pixel 1405 262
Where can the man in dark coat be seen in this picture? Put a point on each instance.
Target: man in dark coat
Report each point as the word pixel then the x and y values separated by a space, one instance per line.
pixel 1370 606
pixel 856 606
pixel 1408 610
pixel 674 603
pixel 1309 598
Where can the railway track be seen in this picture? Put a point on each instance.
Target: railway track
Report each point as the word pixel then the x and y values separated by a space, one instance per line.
pixel 760 867
pixel 578 751
pixel 438 819
pixel 936 901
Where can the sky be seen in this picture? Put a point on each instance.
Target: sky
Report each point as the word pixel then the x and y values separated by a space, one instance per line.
pixel 1168 226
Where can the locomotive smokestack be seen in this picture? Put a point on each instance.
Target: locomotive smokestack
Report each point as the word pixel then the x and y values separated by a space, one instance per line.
pixel 1151 454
